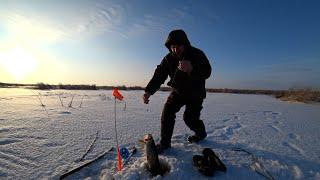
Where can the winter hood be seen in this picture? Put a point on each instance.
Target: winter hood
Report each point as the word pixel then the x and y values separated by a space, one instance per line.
pixel 177 37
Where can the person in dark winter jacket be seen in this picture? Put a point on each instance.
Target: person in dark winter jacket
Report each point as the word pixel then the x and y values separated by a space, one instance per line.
pixel 188 69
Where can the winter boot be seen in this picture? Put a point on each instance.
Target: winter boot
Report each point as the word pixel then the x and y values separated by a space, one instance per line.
pixel 196 138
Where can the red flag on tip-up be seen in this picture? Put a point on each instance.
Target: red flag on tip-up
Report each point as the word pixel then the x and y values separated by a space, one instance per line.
pixel 119 160
pixel 117 94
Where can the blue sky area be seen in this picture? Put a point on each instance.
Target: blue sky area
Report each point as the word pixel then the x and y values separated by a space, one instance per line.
pixel 260 44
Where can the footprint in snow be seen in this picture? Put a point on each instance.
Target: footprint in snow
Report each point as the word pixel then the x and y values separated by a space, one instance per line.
pixel 5 141
pixel 229 130
pixel 17 160
pixel 4 129
pixel 179 136
pixel 236 117
pixel 294 136
pixel 226 120
pixel 220 127
pixel 294 147
pixel 64 112
pixel 54 144
pixel 276 128
pixel 225 131
pixel 276 122
pixel 271 113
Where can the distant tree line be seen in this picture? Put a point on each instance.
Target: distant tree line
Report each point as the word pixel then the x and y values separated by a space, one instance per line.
pixel 43 86
pixel 300 95
pixel 247 91
pixel 293 94
pixel 12 85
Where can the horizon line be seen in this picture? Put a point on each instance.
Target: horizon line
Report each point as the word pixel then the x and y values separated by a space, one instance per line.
pixel 143 87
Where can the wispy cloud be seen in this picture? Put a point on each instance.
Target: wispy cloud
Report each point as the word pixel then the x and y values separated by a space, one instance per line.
pixel 82 21
pixel 31 30
pixel 161 21
pixel 93 18
pixel 101 19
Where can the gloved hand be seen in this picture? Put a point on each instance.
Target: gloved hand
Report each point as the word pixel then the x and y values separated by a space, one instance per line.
pixel 145 97
pixel 185 66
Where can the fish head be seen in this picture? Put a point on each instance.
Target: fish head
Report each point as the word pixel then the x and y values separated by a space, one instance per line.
pixel 147 138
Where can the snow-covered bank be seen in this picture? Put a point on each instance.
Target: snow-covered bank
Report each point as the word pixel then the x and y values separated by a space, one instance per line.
pixel 253 135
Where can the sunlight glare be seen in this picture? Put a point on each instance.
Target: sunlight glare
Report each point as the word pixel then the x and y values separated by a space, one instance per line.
pixel 18 62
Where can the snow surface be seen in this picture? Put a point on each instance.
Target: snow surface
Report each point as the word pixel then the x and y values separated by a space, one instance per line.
pixel 256 136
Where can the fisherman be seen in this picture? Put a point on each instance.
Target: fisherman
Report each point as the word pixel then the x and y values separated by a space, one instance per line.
pixel 188 69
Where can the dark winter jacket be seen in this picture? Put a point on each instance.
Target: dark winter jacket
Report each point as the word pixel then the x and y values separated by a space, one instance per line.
pixel 192 84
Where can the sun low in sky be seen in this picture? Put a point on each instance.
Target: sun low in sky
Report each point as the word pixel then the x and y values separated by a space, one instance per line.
pixel 250 44
pixel 18 62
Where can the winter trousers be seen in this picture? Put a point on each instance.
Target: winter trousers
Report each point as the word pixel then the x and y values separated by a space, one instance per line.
pixel 191 116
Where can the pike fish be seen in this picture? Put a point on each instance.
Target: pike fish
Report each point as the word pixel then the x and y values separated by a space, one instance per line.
pixel 152 156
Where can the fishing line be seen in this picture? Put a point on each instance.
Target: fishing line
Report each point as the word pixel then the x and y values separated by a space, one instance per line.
pixel 260 169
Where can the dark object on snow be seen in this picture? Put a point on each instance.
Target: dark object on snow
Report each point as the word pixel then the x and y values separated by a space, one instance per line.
pixel 196 138
pixel 132 151
pixel 191 116
pixel 202 165
pixel 213 160
pixel 154 165
pixel 152 155
pixel 87 163
pixel 188 87
pixel 208 163
pixel 89 148
pixel 124 152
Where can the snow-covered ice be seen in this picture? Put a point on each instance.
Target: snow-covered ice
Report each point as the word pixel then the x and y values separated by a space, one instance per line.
pixel 256 136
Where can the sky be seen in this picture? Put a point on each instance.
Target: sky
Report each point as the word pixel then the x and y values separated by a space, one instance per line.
pixel 251 44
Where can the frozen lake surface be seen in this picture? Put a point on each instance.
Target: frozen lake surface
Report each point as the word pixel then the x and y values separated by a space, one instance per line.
pixel 256 136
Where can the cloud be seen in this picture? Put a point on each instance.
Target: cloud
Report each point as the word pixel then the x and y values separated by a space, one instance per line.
pixel 59 22
pixel 161 21
pixel 101 19
pixel 31 30
pixel 55 25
